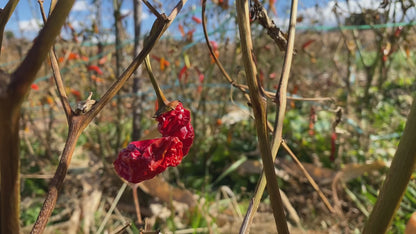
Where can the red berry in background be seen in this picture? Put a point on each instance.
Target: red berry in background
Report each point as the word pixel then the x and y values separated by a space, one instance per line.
pixel 143 160
pixel 177 123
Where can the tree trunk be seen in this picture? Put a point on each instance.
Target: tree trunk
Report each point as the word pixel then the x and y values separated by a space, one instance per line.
pixel 10 164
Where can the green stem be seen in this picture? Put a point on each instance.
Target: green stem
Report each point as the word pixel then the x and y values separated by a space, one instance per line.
pixel 394 187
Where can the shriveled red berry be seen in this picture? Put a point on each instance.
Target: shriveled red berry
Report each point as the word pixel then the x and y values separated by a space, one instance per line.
pixel 177 123
pixel 143 160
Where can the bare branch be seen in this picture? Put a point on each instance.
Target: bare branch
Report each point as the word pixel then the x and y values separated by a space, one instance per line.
pixel 5 16
pixel 309 177
pixel 25 73
pixel 278 129
pixel 259 111
pixel 56 71
pixel 242 88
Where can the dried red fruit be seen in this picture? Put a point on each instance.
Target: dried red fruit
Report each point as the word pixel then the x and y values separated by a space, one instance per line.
pixel 177 123
pixel 95 68
pixel 34 87
pixel 143 160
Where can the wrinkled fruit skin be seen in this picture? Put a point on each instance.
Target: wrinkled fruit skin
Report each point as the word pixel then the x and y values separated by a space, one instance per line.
pixel 177 123
pixel 143 160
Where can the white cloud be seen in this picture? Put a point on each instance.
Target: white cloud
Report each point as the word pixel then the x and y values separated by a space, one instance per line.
pixel 80 5
pixel 125 11
pixel 32 25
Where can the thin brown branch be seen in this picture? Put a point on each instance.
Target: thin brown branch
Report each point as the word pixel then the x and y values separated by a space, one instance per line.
pixel 75 130
pixel 25 73
pixel 136 203
pixel 260 13
pixel 281 92
pixel 259 110
pixel 56 71
pixel 159 93
pixel 242 88
pixel 309 177
pixel 5 15
pixel 152 8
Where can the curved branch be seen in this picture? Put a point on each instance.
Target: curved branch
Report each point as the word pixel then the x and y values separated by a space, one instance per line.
pixel 24 75
pixel 242 88
pixel 56 71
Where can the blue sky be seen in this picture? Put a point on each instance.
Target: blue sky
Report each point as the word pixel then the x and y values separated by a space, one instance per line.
pixel 27 19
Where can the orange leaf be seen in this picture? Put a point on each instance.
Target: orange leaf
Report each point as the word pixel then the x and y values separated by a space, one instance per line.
pixel 95 68
pixel 182 72
pixel 272 7
pixel 162 64
pixel 72 56
pixel 102 60
pixel 217 54
pixel 407 51
pixel 181 30
pixel 196 19
pixel 49 100
pixel 190 34
pixel 307 43
pixel 76 93
pixel 96 79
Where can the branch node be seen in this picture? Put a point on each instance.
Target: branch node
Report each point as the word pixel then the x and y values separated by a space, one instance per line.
pixel 84 106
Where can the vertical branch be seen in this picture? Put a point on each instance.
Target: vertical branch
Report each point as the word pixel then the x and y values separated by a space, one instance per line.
pixel 278 129
pixel 259 109
pixel 284 79
pixel 55 68
pixel 5 16
pixel 118 28
pixel 10 164
pixel 76 127
pixel 137 100
pixel 394 187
